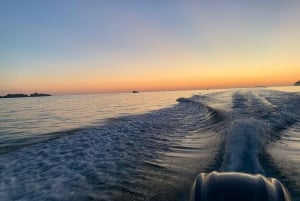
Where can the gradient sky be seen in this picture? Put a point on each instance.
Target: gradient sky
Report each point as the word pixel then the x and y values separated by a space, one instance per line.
pixel 61 46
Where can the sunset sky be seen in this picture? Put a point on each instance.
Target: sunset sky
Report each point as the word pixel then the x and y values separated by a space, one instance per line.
pixel 61 46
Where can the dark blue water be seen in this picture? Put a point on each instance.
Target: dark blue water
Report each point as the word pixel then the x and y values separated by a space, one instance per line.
pixel 156 154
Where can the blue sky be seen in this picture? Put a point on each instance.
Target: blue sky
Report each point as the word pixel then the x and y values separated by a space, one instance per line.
pixel 118 43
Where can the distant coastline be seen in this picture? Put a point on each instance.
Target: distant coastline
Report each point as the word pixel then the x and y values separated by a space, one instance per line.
pixel 297 83
pixel 25 95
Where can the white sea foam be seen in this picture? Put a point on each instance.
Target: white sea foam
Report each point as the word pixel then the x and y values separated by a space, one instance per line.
pixel 256 117
pixel 244 141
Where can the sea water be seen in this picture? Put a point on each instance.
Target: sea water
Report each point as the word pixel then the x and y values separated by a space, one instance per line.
pixel 145 146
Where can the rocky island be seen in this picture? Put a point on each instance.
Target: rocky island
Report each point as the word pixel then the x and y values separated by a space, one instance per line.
pixel 24 95
pixel 297 83
pixel 38 94
pixel 15 96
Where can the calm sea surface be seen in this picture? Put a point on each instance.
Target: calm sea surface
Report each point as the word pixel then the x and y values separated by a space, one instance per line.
pixel 145 146
pixel 27 120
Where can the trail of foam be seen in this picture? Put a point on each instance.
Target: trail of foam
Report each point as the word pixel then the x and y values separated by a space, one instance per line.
pixel 244 141
pixel 254 120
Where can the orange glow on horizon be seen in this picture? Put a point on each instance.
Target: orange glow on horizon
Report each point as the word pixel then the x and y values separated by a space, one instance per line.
pixel 162 83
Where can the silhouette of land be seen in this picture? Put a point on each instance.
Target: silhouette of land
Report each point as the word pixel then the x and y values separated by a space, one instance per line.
pixel 297 83
pixel 38 94
pixel 24 95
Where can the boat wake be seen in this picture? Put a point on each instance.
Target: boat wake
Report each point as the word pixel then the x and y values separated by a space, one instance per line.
pixel 156 156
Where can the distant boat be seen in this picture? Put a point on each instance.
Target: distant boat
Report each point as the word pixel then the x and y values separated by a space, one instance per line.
pixel 135 92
